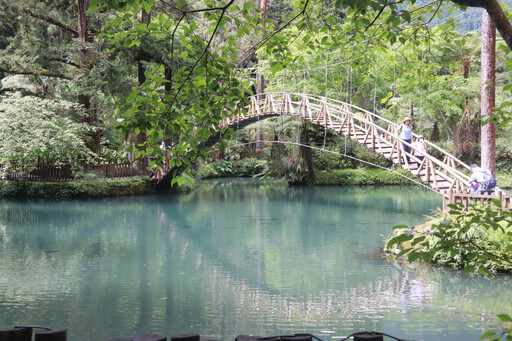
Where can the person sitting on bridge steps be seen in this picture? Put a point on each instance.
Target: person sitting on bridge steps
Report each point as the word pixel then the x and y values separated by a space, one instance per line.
pixel 406 135
pixel 481 180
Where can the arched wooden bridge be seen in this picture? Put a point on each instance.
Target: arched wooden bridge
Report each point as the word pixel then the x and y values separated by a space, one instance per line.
pixel 374 132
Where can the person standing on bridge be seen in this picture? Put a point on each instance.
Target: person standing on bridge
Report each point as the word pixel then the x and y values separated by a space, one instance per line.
pixel 406 136
pixel 420 149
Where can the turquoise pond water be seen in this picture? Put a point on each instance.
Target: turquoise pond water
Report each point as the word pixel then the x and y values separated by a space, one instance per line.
pixel 234 257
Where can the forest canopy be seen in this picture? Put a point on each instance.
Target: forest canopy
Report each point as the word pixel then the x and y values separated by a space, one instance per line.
pixel 168 72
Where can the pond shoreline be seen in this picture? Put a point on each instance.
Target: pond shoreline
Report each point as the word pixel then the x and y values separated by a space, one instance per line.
pixel 95 186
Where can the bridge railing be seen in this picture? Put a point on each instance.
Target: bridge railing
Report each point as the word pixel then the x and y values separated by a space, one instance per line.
pixel 448 157
pixel 333 113
pixel 446 169
pixel 467 198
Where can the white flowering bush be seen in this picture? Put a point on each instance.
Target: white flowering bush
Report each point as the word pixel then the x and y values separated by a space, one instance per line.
pixel 35 131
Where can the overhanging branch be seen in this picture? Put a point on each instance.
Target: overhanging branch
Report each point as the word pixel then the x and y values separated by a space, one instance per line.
pixel 46 73
pixel 223 11
pixel 262 42
pixel 496 14
pixel 50 20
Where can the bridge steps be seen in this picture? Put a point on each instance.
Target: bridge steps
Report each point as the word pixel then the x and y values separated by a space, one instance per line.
pixel 385 148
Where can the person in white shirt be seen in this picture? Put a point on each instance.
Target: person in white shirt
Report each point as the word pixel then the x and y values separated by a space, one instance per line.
pixel 406 135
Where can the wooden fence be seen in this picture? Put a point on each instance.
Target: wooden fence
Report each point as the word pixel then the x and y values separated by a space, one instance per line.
pixel 64 173
pixel 467 198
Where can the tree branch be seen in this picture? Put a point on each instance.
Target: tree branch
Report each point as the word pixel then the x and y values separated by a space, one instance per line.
pixel 193 10
pixel 36 72
pixel 471 3
pixel 64 61
pixel 262 42
pixel 424 24
pixel 483 250
pixel 223 10
pixel 376 17
pixel 50 20
pixel 500 21
pixel 496 14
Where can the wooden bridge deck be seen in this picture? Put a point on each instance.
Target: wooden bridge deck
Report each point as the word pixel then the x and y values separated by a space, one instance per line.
pixel 367 128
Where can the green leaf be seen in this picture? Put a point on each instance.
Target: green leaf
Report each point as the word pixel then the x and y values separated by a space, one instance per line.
pixel 483 270
pixel 418 240
pixel 487 335
pixel 134 42
pixel 181 4
pixel 146 6
pixel 398 240
pixel 406 15
pixel 504 317
pixel 414 256
pixel 403 252
pixel 248 5
pixel 506 104
pixel 469 269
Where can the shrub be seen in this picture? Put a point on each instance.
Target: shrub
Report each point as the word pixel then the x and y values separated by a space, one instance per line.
pixel 362 176
pixel 249 167
pixel 36 130
pixel 90 185
pixel 206 171
pixel 477 240
pixel 326 160
pixel 242 168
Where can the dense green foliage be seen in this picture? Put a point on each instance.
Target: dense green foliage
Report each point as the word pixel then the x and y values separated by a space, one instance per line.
pixel 36 130
pixel 227 168
pixel 479 239
pixel 168 74
pixel 363 176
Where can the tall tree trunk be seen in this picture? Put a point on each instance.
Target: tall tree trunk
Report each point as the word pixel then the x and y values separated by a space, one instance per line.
pixel 83 99
pixel 488 84
pixel 260 80
pixel 142 162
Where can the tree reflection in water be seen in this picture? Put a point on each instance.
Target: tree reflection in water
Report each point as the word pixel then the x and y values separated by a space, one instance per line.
pixel 233 258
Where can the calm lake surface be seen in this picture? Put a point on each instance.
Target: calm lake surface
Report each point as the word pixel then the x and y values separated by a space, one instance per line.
pixel 234 257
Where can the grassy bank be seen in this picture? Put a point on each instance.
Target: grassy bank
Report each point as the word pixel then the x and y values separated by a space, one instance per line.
pixel 92 185
pixel 88 186
pixel 363 176
pixel 337 177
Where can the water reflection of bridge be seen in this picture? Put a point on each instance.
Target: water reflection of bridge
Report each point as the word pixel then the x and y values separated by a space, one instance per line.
pixel 266 305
